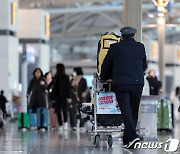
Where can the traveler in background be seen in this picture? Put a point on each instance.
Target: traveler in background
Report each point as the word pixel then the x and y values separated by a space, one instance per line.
pixel 146 88
pixel 154 84
pixel 175 98
pixel 79 91
pixel 36 91
pixel 61 94
pixel 51 101
pixel 3 102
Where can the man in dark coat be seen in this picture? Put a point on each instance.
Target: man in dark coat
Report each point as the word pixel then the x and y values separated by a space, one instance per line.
pixel 125 62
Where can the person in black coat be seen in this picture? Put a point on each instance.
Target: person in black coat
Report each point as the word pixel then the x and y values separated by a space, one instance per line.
pixel 36 91
pixel 125 62
pixel 61 94
pixel 3 102
pixel 154 84
pixel 51 102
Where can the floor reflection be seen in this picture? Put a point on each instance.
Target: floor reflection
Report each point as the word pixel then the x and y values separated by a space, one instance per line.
pixel 13 140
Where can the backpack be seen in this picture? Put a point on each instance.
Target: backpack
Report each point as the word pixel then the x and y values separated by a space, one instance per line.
pixel 103 46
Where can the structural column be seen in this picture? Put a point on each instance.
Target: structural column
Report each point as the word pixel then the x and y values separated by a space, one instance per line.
pixel 161 21
pixel 133 16
pixel 33 32
pixel 9 59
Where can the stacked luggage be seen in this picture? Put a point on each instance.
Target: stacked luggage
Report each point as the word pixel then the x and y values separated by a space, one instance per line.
pixel 164 115
pixel 37 120
pixel 103 46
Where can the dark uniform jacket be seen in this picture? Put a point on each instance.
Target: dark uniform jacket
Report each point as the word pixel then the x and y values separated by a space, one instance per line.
pixel 125 63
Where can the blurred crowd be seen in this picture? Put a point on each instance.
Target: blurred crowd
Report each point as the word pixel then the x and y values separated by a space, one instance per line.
pixel 63 95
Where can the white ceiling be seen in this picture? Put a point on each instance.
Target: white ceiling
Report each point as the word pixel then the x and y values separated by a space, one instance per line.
pixel 80 22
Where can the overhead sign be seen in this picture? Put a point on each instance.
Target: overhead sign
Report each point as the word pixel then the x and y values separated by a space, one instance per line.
pixel 13 13
pixel 47 25
pixel 179 54
pixel 163 6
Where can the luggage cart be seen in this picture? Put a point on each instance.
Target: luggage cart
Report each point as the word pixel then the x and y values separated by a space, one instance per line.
pixel 107 115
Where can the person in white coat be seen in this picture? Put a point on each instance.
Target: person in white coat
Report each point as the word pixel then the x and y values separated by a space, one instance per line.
pixel 175 98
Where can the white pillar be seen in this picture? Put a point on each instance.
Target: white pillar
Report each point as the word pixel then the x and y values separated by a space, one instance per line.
pixel 24 80
pixel 44 57
pixel 133 16
pixel 161 21
pixel 9 58
pixel 34 30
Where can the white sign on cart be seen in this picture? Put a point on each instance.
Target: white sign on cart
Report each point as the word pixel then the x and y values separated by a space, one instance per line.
pixel 107 104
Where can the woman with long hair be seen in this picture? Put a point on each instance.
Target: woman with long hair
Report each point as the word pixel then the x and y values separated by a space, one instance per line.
pixel 61 93
pixel 51 103
pixel 36 91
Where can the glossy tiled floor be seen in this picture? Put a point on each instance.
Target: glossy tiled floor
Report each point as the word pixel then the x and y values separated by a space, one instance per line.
pixel 68 142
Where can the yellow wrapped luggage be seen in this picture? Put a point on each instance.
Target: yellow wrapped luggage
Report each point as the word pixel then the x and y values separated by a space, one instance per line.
pixel 103 47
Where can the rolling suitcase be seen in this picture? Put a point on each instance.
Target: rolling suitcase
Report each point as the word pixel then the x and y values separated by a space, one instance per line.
pixel 23 120
pixel 42 118
pixel 32 119
pixel 53 118
pixel 164 115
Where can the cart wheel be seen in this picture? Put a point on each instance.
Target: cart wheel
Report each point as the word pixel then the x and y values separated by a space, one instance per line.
pixel 110 140
pixel 96 140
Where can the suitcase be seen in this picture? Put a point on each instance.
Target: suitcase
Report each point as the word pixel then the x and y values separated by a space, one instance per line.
pixel 109 120
pixel 23 120
pixel 164 115
pixel 32 118
pixel 42 118
pixel 53 118
pixel 103 47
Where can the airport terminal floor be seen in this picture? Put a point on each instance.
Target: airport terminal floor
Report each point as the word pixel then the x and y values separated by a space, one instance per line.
pixel 13 141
